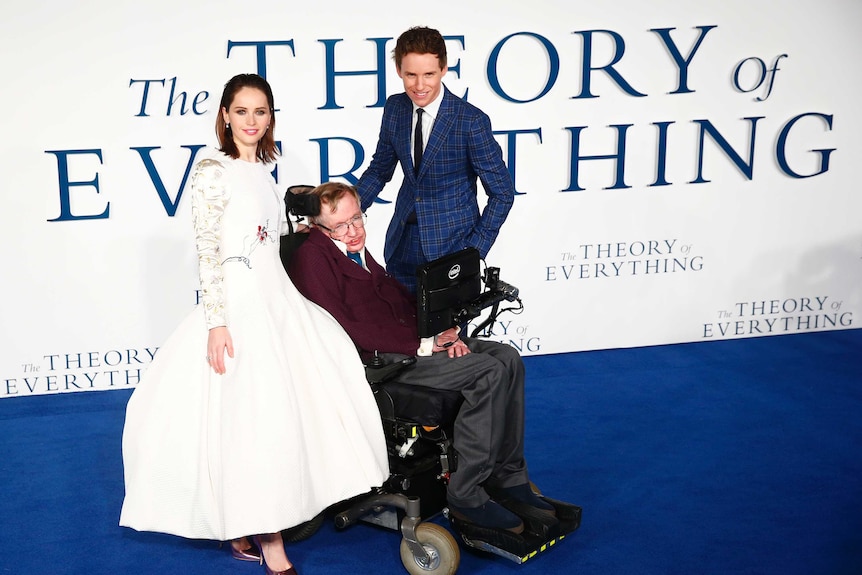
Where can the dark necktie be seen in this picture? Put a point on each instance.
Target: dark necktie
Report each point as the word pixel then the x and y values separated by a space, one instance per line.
pixel 355 257
pixel 417 142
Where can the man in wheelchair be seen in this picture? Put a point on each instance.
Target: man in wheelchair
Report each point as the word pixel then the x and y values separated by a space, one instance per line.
pixel 490 487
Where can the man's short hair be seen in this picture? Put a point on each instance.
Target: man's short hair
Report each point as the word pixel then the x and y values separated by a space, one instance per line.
pixel 420 40
pixel 330 193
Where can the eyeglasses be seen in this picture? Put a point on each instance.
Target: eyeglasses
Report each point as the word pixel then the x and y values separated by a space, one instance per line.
pixel 358 222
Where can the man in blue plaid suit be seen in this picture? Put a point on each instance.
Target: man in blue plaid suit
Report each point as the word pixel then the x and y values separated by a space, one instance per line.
pixel 436 212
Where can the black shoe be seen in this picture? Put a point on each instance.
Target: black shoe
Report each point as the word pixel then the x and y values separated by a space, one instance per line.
pixel 491 514
pixel 524 494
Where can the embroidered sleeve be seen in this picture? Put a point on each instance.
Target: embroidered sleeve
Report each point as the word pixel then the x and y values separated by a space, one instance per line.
pixel 209 197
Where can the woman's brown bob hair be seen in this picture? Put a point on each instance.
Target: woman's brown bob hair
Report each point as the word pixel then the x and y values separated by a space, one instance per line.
pixel 266 148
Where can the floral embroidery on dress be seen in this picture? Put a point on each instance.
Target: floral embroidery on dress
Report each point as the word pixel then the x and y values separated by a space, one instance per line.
pixel 251 242
pixel 262 233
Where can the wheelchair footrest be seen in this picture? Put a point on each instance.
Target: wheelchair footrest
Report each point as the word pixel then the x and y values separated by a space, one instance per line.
pixel 568 515
pixel 541 532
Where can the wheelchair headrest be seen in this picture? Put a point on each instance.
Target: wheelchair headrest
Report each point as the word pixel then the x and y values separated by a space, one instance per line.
pixel 300 202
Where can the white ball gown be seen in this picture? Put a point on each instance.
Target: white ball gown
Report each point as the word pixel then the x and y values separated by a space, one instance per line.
pixel 290 429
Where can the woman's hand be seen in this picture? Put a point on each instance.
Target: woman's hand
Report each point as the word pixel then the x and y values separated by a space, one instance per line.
pixel 219 341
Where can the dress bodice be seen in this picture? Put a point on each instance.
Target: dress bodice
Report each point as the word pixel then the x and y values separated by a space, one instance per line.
pixel 237 217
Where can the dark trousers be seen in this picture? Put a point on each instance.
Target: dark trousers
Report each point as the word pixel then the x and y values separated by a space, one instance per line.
pixel 489 428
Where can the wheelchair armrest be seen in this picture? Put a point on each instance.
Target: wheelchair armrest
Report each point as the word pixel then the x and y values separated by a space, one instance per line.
pixel 378 373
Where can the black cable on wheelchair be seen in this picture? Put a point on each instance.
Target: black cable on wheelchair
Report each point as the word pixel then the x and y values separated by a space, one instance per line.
pixel 488 322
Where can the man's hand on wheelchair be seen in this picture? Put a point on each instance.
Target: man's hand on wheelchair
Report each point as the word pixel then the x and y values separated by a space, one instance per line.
pixel 450 342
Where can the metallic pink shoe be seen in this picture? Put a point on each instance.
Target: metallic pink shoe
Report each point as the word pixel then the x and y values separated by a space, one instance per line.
pixel 289 571
pixel 250 554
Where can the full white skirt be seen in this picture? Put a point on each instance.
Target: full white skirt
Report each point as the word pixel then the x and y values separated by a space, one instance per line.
pixel 290 429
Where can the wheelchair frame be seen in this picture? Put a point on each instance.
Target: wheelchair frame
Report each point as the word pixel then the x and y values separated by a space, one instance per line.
pixel 421 458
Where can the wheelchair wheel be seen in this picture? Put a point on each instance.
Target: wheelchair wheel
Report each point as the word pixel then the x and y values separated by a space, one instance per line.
pixel 302 531
pixel 441 548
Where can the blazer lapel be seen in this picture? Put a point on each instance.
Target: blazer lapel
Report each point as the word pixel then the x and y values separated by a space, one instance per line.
pixel 442 124
pixel 402 129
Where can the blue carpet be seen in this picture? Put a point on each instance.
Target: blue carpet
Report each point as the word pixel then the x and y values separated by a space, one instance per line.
pixel 741 456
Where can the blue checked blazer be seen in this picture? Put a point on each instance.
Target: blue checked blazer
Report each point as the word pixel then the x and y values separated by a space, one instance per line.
pixel 460 149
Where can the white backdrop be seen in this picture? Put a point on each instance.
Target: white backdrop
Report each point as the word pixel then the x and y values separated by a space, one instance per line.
pixel 729 210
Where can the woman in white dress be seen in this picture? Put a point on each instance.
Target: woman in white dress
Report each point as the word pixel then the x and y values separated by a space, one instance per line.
pixel 255 414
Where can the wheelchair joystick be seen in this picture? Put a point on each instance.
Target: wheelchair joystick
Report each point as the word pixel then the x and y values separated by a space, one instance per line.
pixel 375 361
pixel 378 371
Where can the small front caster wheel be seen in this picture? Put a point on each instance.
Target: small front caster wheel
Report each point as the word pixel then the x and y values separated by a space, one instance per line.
pixel 444 555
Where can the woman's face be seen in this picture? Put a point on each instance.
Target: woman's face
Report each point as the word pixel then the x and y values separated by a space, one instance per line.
pixel 249 116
